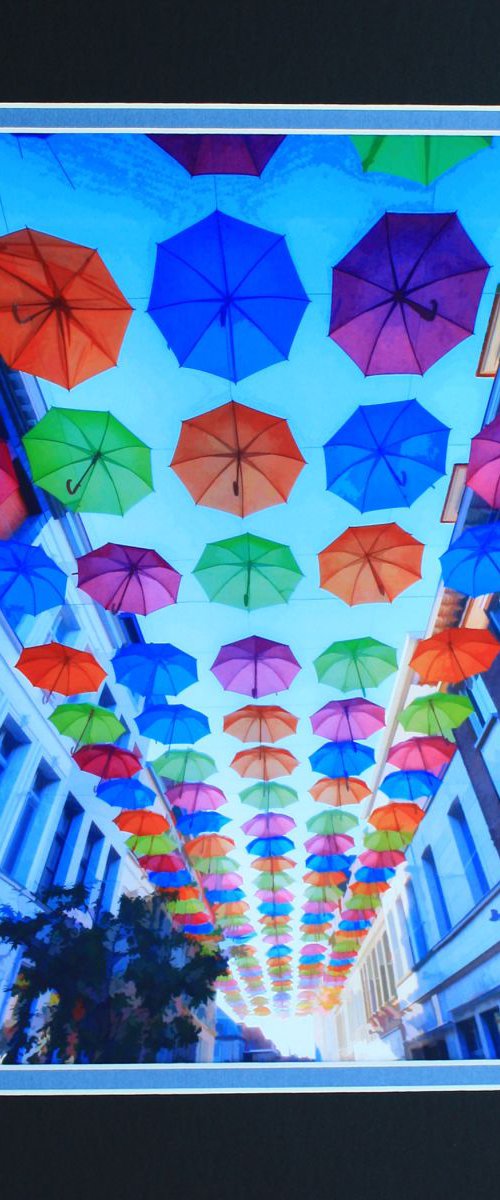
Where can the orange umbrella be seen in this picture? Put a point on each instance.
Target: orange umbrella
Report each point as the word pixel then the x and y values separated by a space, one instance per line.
pixel 339 791
pixel 272 864
pixel 209 845
pixel 264 762
pixel 232 908
pixel 454 655
pixel 237 459
pixel 260 723
pixel 61 314
pixel 370 563
pixel 324 878
pixel 140 822
pixel 58 668
pixel 399 817
pixel 273 922
pixel 368 889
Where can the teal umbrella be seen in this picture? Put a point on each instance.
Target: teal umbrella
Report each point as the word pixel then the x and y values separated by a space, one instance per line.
pixel 248 572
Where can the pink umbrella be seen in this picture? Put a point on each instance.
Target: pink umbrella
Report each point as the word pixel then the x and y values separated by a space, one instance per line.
pixel 332 843
pixel 422 754
pixel 196 797
pixel 318 906
pixel 483 471
pixel 382 858
pixel 222 883
pixel 128 579
pixel 347 720
pixel 255 666
pixel 358 914
pixel 281 896
pixel 278 938
pixel 268 824
pixel 314 948
pixel 240 931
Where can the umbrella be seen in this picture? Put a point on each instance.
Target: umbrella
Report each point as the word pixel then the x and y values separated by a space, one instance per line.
pixel 248 572
pixel 224 883
pixel 326 879
pixel 338 759
pixel 87 723
pixel 226 296
pixel 263 795
pixel 364 902
pixel 29 580
pixel 329 894
pixel 221 153
pixel 483 471
pixel 454 655
pixel 360 662
pixel 218 864
pixel 62 316
pixel 472 563
pixel 255 666
pixel 268 824
pixel 151 844
pixel 371 563
pixel 189 766
pixel 264 762
pixel 162 862
pixel 217 895
pixel 329 822
pixel 281 895
pixel 171 881
pixel 154 669
pixel 409 785
pixel 88 460
pixel 359 914
pixel 329 843
pixel 172 724
pixel 60 669
pixel 260 723
pixel 407 293
pixel 270 846
pixel 9 483
pixel 209 846
pixel 346 720
pixel 141 823
pixel 440 712
pixel 399 817
pixel 338 792
pixel 128 579
pixel 237 459
pixel 190 824
pixel 422 753
pixel 382 858
pixel 387 840
pixel 196 797
pixel 386 455
pixel 375 874
pixel 367 888
pixel 125 793
pixel 419 157
pixel 331 863
pixel 109 762
pixel 273 908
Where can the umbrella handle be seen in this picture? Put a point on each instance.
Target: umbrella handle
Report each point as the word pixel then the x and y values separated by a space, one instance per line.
pixel 74 488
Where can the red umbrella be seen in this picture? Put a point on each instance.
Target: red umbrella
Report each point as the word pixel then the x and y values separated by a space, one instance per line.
pixel 128 579
pixel 162 862
pixel 220 153
pixel 422 754
pixel 140 822
pixel 370 563
pixel 109 762
pixel 8 478
pixel 61 669
pixel 454 655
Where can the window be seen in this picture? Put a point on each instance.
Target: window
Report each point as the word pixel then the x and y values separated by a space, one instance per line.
pixel 90 856
pixel 490 1021
pixel 417 938
pixel 470 1041
pixel 72 811
pixel 436 892
pixel 66 628
pixel 467 850
pixel 398 963
pixel 391 982
pixel 107 889
pixel 10 741
pixel 12 860
pixel 482 703
pixel 106 698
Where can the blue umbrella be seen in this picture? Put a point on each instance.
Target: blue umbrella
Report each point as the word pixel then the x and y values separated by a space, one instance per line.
pixel 220 896
pixel 278 952
pixel 472 563
pixel 311 958
pixel 342 962
pixel 409 785
pixel 205 928
pixel 386 455
pixel 352 925
pixel 278 910
pixel 330 862
pixel 375 874
pixel 338 760
pixel 172 724
pixel 29 581
pixel 227 297
pixel 154 669
pixel 170 879
pixel 190 824
pixel 125 793
pixel 269 847
pixel 316 918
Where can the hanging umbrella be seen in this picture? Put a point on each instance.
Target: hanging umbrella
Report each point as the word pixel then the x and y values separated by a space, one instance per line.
pixel 88 460
pixel 422 754
pixel 382 858
pixel 255 666
pixel 141 823
pixel 325 879
pixel 87 723
pixel 439 713
pixel 409 785
pixel 329 894
pixel 268 824
pixel 226 296
pixel 386 455
pixel 218 895
pixel 260 723
pixel 191 824
pixel 354 926
pixel 365 902
pixel 223 882
pixel 220 864
pixel 419 157
pixel 170 881
pixel 371 563
pixel 272 909
pixel 336 863
pixel 196 797
pixel 329 843
pixel 29 580
pixel 400 817
pixel 346 720
pixel 270 846
pixel 472 563
pixel 338 759
pixel 264 762
pixel 172 724
pixel 375 874
pixel 360 662
pixel 359 914
pixel 162 862
pixel 274 864
pixel 237 459
pixel 454 655
pixel 154 669
pixel 60 669
pixel 209 846
pixel 151 844
pixel 265 795
pixel 109 762
pixel 9 483
pixel 184 766
pixel 367 888
pixel 62 316
pixel 387 840
pixel 221 153
pixel 125 793
pixel 128 579
pixel 483 471
pixel 407 293
pixel 331 822
pixel 338 792
pixel 281 895
pixel 248 572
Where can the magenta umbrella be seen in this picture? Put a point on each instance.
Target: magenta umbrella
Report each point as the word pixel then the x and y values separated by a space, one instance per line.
pixel 255 666
pixel 278 938
pixel 281 896
pixel 358 914
pixel 196 797
pixel 422 754
pixel 220 153
pixel 268 824
pixel 381 858
pixel 483 471
pixel 222 883
pixel 318 906
pixel 332 843
pixel 407 293
pixel 128 579
pixel 314 948
pixel 348 720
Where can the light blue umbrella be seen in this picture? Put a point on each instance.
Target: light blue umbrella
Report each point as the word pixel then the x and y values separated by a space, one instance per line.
pixel 29 581
pixel 125 793
pixel 472 563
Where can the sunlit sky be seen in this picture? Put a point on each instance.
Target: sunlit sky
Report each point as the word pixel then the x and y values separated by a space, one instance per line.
pixel 128 195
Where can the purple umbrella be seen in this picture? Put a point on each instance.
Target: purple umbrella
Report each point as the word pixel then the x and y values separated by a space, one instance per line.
pixel 407 293
pixel 280 896
pixel 128 579
pixel 196 797
pixel 255 666
pixel 220 153
pixel 222 882
pixel 268 824
pixel 348 720
pixel 331 843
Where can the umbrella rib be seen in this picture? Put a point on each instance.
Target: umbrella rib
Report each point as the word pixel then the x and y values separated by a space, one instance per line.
pixel 196 270
pixel 280 237
pixel 426 248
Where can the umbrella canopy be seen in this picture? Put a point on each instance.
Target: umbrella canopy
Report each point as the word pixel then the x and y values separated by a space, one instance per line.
pixel 386 455
pixel 222 882
pixel 227 297
pixel 454 654
pixel 196 797
pixel 60 669
pixel 151 844
pixel 422 754
pixel 154 669
pixel 329 843
pixel 270 846
pixel 265 795
pixel 62 317
pixel 171 881
pixel 172 724
pixel 264 762
pixel 87 723
pixel 9 483
pixel 419 157
pixel 268 824
pixel 269 879
pixel 221 153
pixel 407 293
pixel 375 874
pixel 472 563
pixel 382 858
pixel 364 902
pixel 338 759
pixel 29 580
pixel 237 459
pixel 400 817
pixel 387 840
pixel 338 792
pixel 260 723
pixel 337 863
pixel 483 471
pixel 125 793
pixel 109 762
pixel 209 846
pixel 162 862
pixel 281 895
pixel 371 563
pixel 184 766
pixel 329 822
pixel 141 823
pixel 128 579
pixel 218 864
pixel 248 572
pixel 439 713
pixel 409 785
pixel 346 720
pixel 191 824
pixel 88 460
pixel 357 663
pixel 255 666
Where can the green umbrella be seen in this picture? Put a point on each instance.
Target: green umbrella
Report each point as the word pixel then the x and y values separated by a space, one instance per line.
pixel 327 893
pixel 184 766
pixel 363 900
pixel 387 839
pixel 359 663
pixel 185 906
pixel 438 713
pixel 87 723
pixel 332 821
pixel 269 795
pixel 419 157
pixel 248 572
pixel 269 880
pixel 88 460
pixel 158 843
pixel 219 865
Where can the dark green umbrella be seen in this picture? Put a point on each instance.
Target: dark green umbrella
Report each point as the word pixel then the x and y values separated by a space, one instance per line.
pixel 419 157
pixel 248 572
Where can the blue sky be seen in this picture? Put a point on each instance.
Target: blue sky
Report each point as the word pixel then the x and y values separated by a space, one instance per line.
pixel 128 195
